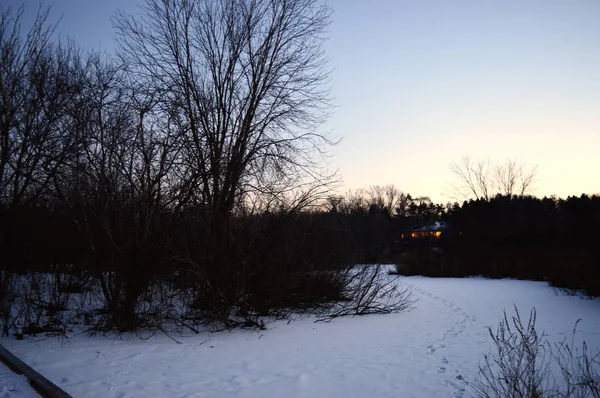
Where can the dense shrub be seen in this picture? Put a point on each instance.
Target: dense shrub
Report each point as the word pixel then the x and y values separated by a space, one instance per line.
pixel 170 273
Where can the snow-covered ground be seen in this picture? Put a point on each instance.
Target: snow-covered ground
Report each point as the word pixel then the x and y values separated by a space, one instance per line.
pixel 13 385
pixel 430 351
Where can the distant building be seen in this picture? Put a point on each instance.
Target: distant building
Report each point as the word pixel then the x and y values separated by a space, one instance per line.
pixel 431 231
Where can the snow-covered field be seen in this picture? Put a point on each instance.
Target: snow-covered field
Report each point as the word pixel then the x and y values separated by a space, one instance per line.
pixel 430 351
pixel 14 385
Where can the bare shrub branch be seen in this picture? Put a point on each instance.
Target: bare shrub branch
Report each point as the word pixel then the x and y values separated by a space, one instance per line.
pixel 370 290
pixel 521 364
pixel 579 368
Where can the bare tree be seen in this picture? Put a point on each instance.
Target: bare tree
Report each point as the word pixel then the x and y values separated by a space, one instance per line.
pixel 513 177
pixel 483 179
pixel 403 204
pixel 242 84
pixel 113 180
pixel 473 178
pixel 353 202
pixel 37 84
pixel 246 80
pixel 385 198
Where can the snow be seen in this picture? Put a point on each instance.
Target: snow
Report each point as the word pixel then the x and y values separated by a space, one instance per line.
pixel 436 226
pixel 431 351
pixel 14 385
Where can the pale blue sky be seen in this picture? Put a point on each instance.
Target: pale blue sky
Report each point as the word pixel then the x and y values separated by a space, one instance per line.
pixel 420 83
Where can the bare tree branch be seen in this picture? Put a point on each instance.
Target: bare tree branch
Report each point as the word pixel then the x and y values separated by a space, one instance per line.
pixel 482 179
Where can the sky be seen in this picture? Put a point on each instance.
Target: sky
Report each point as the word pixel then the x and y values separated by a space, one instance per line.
pixel 417 84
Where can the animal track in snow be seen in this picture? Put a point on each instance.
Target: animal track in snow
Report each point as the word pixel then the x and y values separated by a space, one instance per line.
pixel 459 388
pixel 430 350
pixel 458 382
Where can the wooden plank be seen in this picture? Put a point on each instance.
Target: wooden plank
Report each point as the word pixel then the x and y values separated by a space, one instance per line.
pixel 43 386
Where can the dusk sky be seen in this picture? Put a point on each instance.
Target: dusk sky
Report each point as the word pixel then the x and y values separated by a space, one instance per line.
pixel 420 83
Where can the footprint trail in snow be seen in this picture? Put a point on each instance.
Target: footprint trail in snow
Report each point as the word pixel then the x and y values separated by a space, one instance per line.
pixel 457 383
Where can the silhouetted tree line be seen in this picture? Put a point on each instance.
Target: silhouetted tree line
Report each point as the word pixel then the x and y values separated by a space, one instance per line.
pixel 375 217
pixel 521 237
